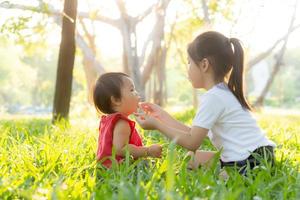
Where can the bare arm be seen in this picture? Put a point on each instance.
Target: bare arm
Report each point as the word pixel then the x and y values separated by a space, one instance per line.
pixel 121 135
pixel 190 139
pixel 177 124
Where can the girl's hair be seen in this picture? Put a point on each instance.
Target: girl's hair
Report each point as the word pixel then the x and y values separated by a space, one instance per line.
pixel 217 49
pixel 108 85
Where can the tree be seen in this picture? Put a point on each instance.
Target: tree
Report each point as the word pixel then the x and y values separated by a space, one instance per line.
pixel 278 62
pixel 66 59
pixel 138 67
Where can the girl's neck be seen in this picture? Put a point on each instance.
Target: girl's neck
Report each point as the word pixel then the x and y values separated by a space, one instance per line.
pixel 211 83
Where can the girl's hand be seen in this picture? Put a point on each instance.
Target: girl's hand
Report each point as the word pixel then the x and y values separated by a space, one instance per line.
pixel 155 150
pixel 146 121
pixel 154 110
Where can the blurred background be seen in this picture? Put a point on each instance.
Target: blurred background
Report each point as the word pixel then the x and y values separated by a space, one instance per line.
pixel 148 40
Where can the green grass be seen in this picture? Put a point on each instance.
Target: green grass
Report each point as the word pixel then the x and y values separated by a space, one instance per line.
pixel 41 161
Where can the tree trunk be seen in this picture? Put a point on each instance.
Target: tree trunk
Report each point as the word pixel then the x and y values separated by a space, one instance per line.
pixel 125 60
pixel 66 59
pixel 92 67
pixel 160 73
pixel 157 57
pixel 126 24
pixel 130 58
pixel 260 100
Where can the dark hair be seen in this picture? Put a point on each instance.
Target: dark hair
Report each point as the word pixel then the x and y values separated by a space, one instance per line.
pixel 108 85
pixel 217 49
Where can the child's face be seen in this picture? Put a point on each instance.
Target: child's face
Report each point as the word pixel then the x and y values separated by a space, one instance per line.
pixel 129 97
pixel 195 74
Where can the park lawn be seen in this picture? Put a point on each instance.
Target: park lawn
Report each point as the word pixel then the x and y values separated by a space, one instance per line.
pixel 41 161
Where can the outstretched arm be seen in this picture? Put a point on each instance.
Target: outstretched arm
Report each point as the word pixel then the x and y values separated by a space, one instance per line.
pixel 190 139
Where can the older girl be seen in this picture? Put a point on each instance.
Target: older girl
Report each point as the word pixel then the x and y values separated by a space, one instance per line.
pixel 216 63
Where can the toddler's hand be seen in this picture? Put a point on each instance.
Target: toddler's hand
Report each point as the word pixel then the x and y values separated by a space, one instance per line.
pixel 146 121
pixel 155 150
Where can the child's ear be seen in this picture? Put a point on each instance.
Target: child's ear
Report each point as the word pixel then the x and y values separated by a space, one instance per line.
pixel 205 65
pixel 115 101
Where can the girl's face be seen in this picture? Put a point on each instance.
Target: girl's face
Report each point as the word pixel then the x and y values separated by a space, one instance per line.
pixel 195 74
pixel 129 97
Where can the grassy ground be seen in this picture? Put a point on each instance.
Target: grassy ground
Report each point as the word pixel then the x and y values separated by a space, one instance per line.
pixel 41 161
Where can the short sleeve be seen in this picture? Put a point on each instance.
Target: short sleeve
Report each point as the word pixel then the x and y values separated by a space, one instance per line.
pixel 209 111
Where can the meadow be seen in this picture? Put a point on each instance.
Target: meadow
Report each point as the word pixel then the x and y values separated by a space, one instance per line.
pixel 41 161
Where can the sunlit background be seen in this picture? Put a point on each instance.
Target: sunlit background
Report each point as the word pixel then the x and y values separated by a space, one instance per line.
pixel 29 44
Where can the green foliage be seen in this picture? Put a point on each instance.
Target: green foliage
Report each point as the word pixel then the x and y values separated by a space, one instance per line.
pixel 39 160
pixel 222 8
pixel 26 80
pixel 15 77
pixel 45 69
pixel 29 79
pixel 29 30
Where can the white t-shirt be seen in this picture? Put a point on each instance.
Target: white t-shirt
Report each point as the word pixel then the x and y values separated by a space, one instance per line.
pixel 231 127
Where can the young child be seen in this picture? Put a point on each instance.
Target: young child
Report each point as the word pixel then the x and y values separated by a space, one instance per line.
pixel 223 114
pixel 115 95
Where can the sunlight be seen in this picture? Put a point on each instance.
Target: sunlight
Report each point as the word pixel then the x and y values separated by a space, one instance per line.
pixel 65 117
pixel 256 29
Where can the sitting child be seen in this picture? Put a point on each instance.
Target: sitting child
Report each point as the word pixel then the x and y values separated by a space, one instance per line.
pixel 115 95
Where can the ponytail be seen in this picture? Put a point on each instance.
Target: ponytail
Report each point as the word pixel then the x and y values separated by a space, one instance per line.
pixel 236 79
pixel 223 59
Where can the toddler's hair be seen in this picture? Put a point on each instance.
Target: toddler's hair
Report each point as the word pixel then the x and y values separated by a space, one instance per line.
pixel 108 85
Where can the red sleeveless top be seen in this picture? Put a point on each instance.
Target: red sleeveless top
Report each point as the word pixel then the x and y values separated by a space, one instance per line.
pixel 105 140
